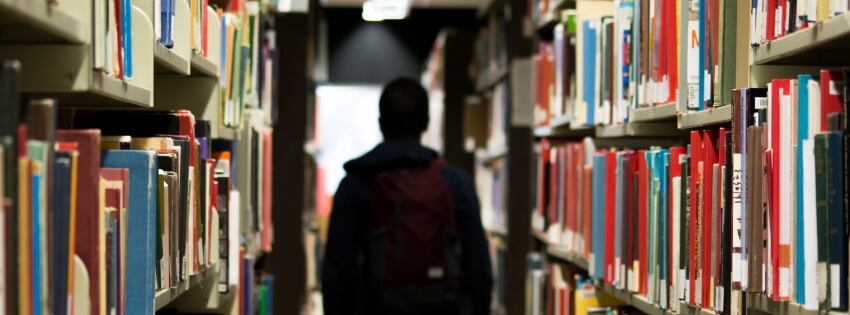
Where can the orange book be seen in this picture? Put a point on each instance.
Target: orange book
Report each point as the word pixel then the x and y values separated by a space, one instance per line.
pixel 24 236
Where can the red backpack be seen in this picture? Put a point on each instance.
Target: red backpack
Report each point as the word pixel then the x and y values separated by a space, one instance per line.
pixel 414 245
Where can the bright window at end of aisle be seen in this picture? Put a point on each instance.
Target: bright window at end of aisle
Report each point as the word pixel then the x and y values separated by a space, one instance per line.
pixel 347 127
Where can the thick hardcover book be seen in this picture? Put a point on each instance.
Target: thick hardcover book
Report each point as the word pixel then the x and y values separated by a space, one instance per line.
pixel 830 95
pixel 709 142
pixel 142 166
pixel 9 121
pixel 822 201
pixel 837 225
pixel 694 207
pixel 610 196
pixel 88 211
pixel 684 233
pixel 642 268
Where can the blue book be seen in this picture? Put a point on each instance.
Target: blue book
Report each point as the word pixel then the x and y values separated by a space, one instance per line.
pixel 61 227
pixel 140 272
pixel 802 134
pixel 36 253
pixel 166 16
pixel 837 228
pixel 127 42
pixel 589 43
pixel 597 241
pixel 37 151
pixel 650 213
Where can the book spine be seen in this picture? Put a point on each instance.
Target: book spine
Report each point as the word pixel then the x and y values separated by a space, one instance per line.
pixel 822 202
pixel 837 225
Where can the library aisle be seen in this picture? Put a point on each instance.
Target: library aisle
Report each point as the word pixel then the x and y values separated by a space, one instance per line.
pixel 628 156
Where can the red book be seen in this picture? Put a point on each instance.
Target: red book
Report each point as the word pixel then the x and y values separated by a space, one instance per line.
pixel 770 20
pixel 783 8
pixel 204 27
pixel 777 89
pixel 695 178
pixel 554 173
pixel 118 198
pixel 588 196
pixel 267 190
pixel 570 191
pixel 88 209
pixel 709 142
pixel 542 175
pixel 643 224
pixel 830 95
pixel 719 188
pixel 610 215
pixel 119 72
pixel 672 46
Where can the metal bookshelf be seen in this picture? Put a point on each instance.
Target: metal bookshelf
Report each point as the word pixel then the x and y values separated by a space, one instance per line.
pixel 654 113
pixel 491 79
pixel 761 304
pixel 164 297
pixel 821 44
pixel 41 22
pixel 203 66
pixel 714 116
pixel 167 62
pixel 637 129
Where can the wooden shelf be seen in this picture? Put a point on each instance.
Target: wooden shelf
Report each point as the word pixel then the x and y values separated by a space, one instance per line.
pixel 164 297
pixel 40 22
pixel 491 79
pixel 167 62
pixel 654 113
pixel 203 66
pixel 822 44
pixel 709 117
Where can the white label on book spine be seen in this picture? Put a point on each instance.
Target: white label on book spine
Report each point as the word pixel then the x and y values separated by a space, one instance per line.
pixel 761 102
pixel 836 87
pixel 834 282
pixel 823 275
pixel 784 287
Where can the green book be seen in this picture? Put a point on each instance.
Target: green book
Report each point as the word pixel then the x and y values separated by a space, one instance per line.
pixel 821 199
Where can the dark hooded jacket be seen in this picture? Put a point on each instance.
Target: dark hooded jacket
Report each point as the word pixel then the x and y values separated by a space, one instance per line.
pixel 345 289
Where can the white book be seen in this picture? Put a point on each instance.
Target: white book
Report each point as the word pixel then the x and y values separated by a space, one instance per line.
pixel 157 20
pixel 99 36
pixel 814 107
pixel 810 225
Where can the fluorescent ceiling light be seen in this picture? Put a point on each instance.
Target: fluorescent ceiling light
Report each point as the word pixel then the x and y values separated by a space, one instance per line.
pixel 379 10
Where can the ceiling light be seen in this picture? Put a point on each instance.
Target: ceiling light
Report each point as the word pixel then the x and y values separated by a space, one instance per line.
pixel 379 10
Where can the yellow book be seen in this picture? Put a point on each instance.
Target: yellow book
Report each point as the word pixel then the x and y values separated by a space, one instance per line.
pixel 823 10
pixel 72 219
pixel 193 9
pixel 24 237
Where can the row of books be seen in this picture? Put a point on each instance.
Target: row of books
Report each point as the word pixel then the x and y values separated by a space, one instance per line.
pixel 491 47
pixel 608 57
pixel 112 37
pixel 759 208
pixel 98 218
pixel 771 19
pixel 553 290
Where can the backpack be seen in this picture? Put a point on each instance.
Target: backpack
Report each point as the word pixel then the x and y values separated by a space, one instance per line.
pixel 414 247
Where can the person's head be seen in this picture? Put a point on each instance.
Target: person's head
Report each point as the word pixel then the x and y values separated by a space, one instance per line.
pixel 404 110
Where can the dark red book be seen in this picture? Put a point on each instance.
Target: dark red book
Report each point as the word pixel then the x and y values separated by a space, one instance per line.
pixel 770 29
pixel 694 202
pixel 88 210
pixel 554 174
pixel 643 236
pixel 543 175
pixel 830 95
pixel 709 142
pixel 631 212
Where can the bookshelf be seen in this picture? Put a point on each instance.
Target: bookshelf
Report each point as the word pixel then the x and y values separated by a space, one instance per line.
pixel 491 79
pixel 707 118
pixel 55 48
pixel 653 113
pixel 637 129
pixel 168 62
pixel 43 22
pixel 163 298
pixel 823 44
